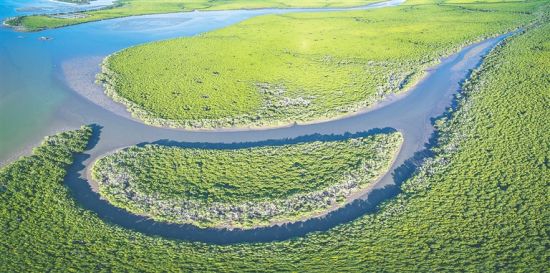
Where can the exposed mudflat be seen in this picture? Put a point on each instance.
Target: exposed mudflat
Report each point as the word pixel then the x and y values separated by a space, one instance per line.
pixel 80 75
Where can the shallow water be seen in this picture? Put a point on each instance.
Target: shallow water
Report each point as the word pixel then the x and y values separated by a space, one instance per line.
pixel 37 98
pixel 51 6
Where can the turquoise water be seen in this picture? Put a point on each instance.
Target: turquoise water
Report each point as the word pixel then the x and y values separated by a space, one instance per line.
pixel 28 93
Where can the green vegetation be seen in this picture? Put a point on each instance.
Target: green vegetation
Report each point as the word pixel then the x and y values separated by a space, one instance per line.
pixel 243 188
pixel 291 68
pixel 481 205
pixel 124 8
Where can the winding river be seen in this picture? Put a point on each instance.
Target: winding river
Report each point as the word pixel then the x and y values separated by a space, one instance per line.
pixel 37 98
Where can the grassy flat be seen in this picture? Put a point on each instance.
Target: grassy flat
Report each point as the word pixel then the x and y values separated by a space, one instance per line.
pixel 124 8
pixel 262 185
pixel 282 69
pixel 480 206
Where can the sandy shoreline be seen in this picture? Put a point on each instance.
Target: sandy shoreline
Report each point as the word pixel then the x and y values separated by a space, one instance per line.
pixel 88 88
pixel 80 75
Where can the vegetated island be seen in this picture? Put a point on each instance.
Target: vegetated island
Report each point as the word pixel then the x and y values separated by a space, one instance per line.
pixel 278 70
pixel 480 204
pixel 124 8
pixel 246 187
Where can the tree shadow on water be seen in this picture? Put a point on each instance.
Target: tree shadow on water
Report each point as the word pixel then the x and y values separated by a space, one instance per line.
pixel 270 142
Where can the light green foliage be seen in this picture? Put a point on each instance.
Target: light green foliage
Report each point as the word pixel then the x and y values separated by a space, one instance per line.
pixel 281 69
pixel 480 206
pixel 123 8
pixel 245 187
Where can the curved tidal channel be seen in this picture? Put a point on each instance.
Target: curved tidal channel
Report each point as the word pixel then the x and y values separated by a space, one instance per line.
pixel 37 98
